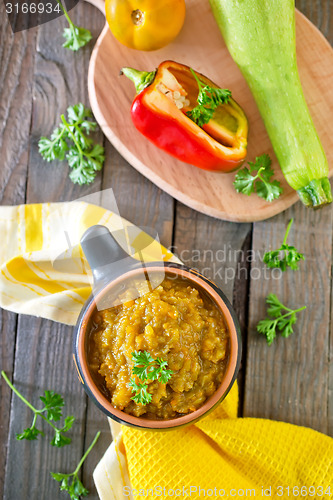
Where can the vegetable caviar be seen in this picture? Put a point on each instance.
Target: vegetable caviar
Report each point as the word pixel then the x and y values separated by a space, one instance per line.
pixel 187 343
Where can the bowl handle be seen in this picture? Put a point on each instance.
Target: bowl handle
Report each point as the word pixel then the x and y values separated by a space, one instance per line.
pixel 105 256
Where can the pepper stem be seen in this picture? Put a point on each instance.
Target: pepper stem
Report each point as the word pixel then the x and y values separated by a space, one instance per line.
pixel 141 79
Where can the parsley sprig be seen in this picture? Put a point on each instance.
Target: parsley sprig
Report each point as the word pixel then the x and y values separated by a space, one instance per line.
pixel 75 36
pixel 70 140
pixel 52 410
pixel 70 482
pixel 147 368
pixel 290 255
pixel 260 182
pixel 141 396
pixel 209 98
pixel 282 319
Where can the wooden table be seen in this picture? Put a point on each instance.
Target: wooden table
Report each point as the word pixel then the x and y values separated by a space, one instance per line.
pixel 290 381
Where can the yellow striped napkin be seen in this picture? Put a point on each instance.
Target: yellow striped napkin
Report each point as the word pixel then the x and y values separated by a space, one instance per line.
pixel 43 273
pixel 43 270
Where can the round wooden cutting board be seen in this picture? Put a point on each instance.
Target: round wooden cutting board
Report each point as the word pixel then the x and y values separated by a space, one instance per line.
pixel 200 45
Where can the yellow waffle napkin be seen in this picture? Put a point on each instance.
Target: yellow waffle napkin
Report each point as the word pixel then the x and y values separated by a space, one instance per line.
pixel 43 273
pixel 220 456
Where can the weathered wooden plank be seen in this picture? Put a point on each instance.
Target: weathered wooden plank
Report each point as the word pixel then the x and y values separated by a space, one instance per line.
pixel 43 357
pixel 17 53
pixel 330 377
pixel 138 200
pixel 209 245
pixel 220 250
pixel 8 324
pixel 131 194
pixel 320 13
pixel 240 303
pixel 43 361
pixel 290 380
pixel 48 344
pixel 60 81
pixel 16 77
pixel 142 203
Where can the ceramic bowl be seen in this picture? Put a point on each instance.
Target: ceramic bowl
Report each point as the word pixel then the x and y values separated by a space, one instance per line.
pixel 110 275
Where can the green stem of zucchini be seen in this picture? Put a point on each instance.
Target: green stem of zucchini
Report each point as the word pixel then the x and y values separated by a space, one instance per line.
pixel 317 193
pixel 260 36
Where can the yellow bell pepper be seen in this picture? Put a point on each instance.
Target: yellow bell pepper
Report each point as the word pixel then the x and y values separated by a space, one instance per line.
pixel 145 24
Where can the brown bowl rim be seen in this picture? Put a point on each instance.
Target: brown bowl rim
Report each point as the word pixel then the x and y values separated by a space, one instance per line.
pixel 211 402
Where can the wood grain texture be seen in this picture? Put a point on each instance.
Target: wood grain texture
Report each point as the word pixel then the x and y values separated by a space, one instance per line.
pixel 330 375
pixel 201 46
pixel 142 203
pixel 209 245
pixel 138 200
pixel 293 379
pixel 17 53
pixel 8 322
pixel 320 13
pixel 220 250
pixel 43 361
pixel 58 82
pixel 16 76
pixel 289 380
pixel 240 302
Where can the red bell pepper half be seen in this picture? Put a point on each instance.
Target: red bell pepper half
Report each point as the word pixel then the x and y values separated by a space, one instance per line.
pixel 160 112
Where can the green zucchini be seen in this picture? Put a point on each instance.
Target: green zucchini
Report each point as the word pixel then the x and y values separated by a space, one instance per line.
pixel 260 36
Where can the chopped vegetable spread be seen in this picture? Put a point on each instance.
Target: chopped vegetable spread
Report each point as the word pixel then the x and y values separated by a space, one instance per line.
pixel 182 334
